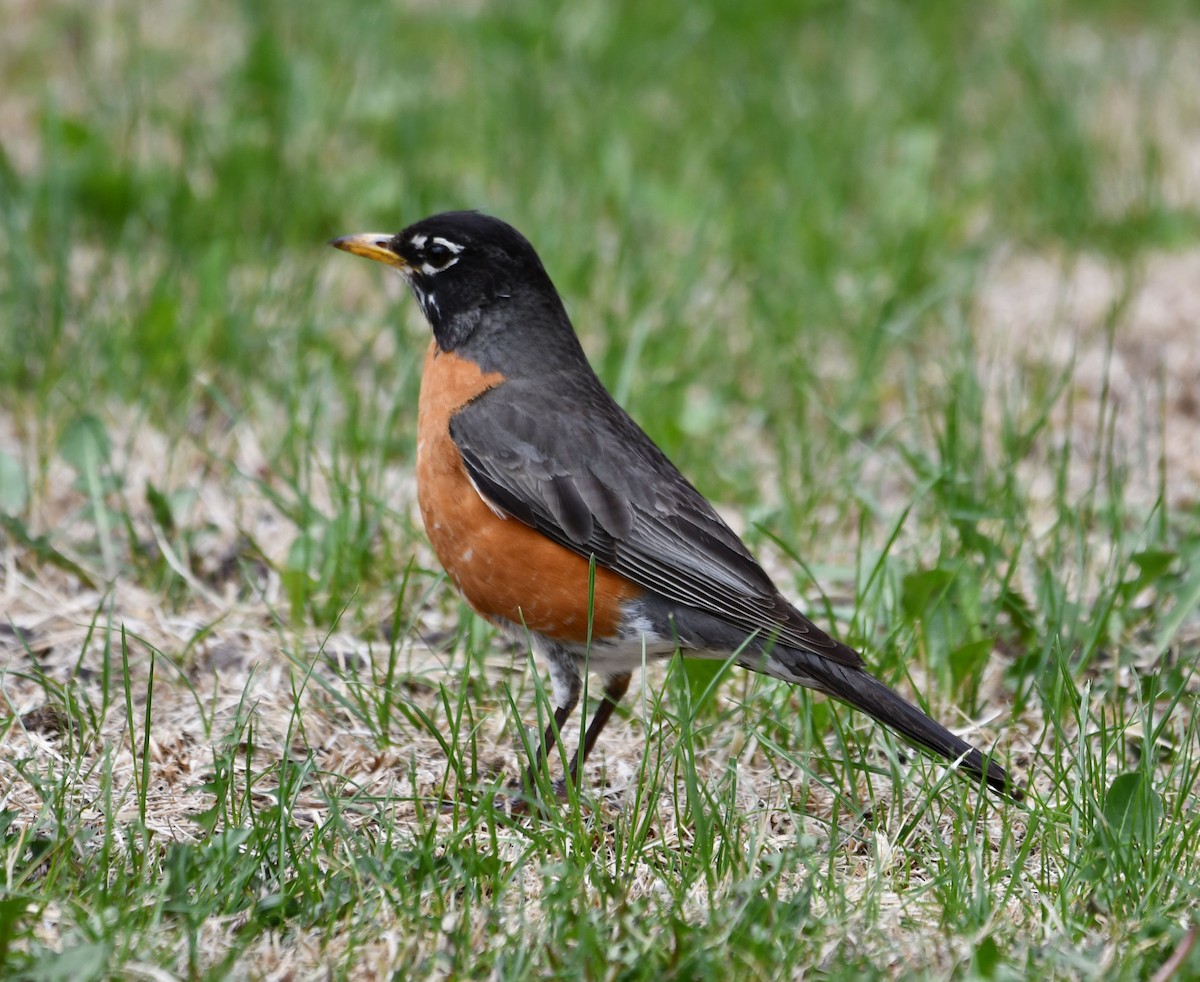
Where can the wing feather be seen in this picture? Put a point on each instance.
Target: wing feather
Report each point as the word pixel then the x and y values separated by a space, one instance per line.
pixel 587 477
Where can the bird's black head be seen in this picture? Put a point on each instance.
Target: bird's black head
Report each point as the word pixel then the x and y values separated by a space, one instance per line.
pixel 458 264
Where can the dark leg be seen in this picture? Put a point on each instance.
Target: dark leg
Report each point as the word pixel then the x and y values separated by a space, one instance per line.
pixel 561 715
pixel 565 687
pixel 614 691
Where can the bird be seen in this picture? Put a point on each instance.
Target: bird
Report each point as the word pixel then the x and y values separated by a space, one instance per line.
pixel 560 521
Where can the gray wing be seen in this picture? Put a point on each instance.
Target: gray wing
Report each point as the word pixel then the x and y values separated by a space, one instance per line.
pixel 585 475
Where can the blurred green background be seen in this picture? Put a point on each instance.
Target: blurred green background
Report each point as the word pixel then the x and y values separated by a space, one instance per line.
pixel 742 186
pixel 768 222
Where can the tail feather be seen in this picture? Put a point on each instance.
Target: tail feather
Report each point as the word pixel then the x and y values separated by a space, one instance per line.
pixel 863 691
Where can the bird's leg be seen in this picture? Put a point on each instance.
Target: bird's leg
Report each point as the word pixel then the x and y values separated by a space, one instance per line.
pixel 566 686
pixel 614 691
pixel 561 715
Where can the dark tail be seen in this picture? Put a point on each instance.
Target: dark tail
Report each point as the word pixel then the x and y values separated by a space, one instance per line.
pixel 863 691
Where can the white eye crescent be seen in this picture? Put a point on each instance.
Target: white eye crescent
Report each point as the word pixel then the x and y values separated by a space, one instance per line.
pixel 437 254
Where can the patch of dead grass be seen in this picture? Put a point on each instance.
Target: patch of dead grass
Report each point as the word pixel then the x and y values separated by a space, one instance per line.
pixel 1129 338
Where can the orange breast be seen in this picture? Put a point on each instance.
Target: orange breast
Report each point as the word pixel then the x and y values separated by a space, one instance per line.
pixel 505 569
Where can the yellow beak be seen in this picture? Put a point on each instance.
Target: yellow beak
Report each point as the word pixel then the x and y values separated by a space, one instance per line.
pixel 371 245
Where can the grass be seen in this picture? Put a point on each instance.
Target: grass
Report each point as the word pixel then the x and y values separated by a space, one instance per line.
pixel 886 281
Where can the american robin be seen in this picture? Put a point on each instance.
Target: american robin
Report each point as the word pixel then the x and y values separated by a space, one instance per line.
pixel 559 520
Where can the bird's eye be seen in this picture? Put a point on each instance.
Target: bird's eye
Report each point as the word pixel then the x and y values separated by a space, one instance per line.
pixel 438 254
